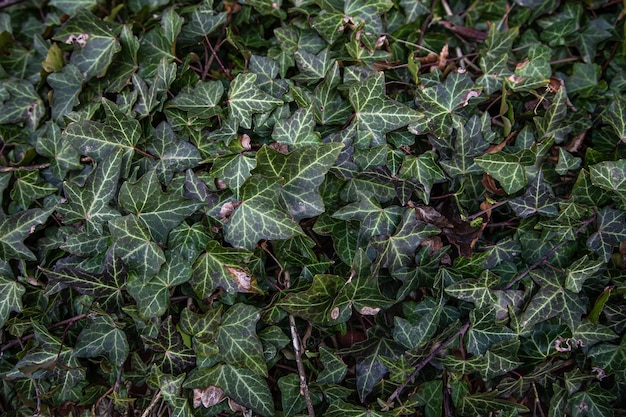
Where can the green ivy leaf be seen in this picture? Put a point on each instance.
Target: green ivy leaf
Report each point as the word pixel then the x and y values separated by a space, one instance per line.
pixel 335 369
pixel 95 43
pixel 259 215
pixel 538 199
pixel 240 384
pixel 237 340
pixel 158 211
pixel 12 298
pixel 303 171
pixel 344 409
pixel 67 85
pixel 509 169
pixel 314 303
pixel 375 115
pixel 90 203
pixel 611 230
pixel 133 243
pixel 105 285
pixel 17 227
pixel 173 357
pixel 441 103
pixel 246 99
pixel 610 176
pixel 102 336
pixel 29 187
pixel 202 101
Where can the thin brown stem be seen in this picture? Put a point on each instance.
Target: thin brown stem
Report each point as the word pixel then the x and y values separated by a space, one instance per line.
pixel 19 341
pixel 25 168
pixel 297 348
pixel 434 352
pixel 545 257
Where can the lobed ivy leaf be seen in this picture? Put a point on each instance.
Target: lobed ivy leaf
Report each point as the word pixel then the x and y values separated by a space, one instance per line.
pixel 12 299
pixel 105 285
pixel 302 171
pixel 95 43
pixel 440 104
pixel 17 227
pixel 259 215
pixel 611 230
pixel 102 336
pixel 159 212
pixel 134 244
pixel 374 114
pixel 246 99
pixel 173 357
pixel 240 384
pixel 237 340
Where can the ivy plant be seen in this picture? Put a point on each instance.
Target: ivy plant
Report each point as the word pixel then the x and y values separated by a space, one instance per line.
pixel 313 207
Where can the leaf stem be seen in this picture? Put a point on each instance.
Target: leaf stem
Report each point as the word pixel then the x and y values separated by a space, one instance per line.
pixel 545 257
pixel 434 352
pixel 297 348
pixel 493 206
pixel 17 341
pixel 153 403
pixel 25 168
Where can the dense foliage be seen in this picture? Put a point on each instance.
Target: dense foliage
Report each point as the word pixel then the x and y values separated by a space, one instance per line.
pixel 332 207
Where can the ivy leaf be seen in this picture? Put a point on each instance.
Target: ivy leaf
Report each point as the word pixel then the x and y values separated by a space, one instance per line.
pixel 173 357
pixel 298 129
pixel 133 243
pixel 374 219
pixel 615 116
pixel 592 402
pixel 610 176
pixel 29 187
pixel 246 99
pixel 234 170
pixel 566 162
pixel 611 231
pixel 344 409
pixel 102 336
pixel 20 103
pixel 551 124
pixel 158 211
pixel 550 301
pixel 224 268
pixel 17 227
pixel 315 303
pixel 398 250
pixel 330 108
pixel 441 103
pixel 259 216
pixel 175 155
pixel 237 339
pixel 67 85
pixel 334 370
pixel 64 157
pixel 538 199
pixel 240 384
pixel 509 169
pixel 90 203
pixel 485 331
pixel 423 169
pixel 97 140
pixel 106 286
pixel 153 296
pixel 489 403
pixel 12 298
pixel 369 367
pixel 360 292
pixel 416 332
pixel 203 21
pixel 200 102
pixel 303 171
pixel 95 43
pixel 375 115
pixel 580 271
pixel 312 67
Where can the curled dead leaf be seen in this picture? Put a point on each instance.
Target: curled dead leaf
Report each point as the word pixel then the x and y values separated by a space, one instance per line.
pixel 208 396
pixel 244 280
